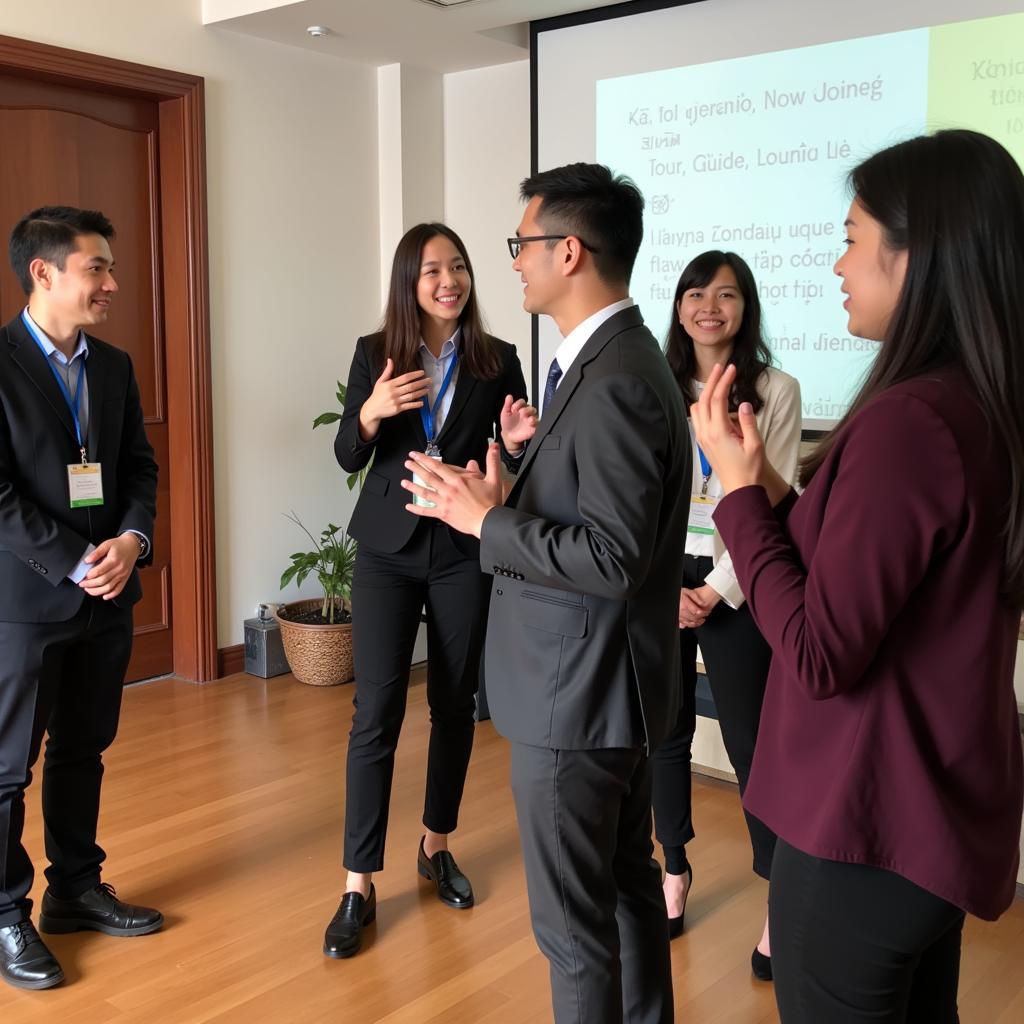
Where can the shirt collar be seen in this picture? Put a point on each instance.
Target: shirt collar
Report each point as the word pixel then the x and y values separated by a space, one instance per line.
pixel 81 349
pixel 447 348
pixel 572 344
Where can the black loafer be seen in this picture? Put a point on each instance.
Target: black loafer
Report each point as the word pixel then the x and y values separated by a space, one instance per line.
pixel 344 934
pixel 453 888
pixel 97 910
pixel 25 962
pixel 760 965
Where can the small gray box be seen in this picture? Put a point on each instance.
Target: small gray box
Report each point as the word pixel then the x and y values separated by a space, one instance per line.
pixel 264 653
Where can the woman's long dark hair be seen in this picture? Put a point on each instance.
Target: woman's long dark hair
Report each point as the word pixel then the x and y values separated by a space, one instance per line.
pixel 954 201
pixel 750 353
pixel 401 328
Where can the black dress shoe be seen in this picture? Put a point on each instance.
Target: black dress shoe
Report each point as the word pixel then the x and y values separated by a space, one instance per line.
pixel 761 965
pixel 25 962
pixel 675 924
pixel 453 888
pixel 97 910
pixel 344 933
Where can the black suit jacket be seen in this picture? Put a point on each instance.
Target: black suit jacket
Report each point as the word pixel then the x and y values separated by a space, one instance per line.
pixel 583 633
pixel 380 518
pixel 41 537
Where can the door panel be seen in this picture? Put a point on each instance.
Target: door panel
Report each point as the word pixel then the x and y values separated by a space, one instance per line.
pixel 98 150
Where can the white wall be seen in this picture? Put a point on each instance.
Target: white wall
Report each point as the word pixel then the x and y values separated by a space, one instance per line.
pixel 294 272
pixel 486 156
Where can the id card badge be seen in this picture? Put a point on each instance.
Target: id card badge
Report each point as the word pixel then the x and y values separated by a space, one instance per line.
pixel 701 509
pixel 432 452
pixel 85 484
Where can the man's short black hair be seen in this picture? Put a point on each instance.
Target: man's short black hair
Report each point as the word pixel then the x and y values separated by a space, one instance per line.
pixel 49 234
pixel 603 210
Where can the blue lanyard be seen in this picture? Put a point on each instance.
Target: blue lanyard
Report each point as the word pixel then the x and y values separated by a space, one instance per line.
pixel 428 411
pixel 72 403
pixel 705 469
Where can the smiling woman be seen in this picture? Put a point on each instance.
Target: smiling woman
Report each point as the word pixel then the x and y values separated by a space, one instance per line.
pixel 429 379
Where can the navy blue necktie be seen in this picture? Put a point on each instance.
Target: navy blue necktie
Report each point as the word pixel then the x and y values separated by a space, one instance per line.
pixel 554 376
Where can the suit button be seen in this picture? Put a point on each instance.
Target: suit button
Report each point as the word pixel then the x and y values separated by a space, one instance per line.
pixel 499 591
pixel 496 569
pixel 43 569
pixel 520 576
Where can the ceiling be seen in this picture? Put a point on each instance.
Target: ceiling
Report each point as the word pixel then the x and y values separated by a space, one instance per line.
pixel 475 34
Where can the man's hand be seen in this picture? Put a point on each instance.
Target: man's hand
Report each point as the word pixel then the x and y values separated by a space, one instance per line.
pixel 112 563
pixel 461 497
pixel 518 424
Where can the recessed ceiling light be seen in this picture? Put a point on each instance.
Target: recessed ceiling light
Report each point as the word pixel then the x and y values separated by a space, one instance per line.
pixel 318 31
pixel 448 3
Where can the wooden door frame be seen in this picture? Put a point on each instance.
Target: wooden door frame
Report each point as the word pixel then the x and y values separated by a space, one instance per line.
pixel 185 286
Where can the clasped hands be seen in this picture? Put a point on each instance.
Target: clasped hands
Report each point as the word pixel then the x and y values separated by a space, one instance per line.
pixel 112 563
pixel 461 497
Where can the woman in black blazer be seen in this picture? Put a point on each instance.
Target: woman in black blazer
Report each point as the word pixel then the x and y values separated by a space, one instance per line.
pixel 431 380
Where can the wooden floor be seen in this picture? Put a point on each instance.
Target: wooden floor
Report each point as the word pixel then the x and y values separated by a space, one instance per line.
pixel 222 806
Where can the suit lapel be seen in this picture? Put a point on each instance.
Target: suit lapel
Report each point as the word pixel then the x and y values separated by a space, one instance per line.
pixel 94 367
pixel 30 358
pixel 621 321
pixel 463 388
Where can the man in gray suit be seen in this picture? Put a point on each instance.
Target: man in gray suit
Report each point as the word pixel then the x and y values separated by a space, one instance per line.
pixel 582 655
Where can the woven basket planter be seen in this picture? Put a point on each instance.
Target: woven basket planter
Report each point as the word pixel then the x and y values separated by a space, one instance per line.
pixel 317 655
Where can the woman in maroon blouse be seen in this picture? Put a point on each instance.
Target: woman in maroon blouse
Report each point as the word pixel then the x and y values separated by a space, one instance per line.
pixel 889 756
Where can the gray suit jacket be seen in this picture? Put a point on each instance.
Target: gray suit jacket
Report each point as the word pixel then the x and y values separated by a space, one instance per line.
pixel 583 634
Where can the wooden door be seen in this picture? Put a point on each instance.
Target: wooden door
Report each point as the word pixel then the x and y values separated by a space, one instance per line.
pixel 70 146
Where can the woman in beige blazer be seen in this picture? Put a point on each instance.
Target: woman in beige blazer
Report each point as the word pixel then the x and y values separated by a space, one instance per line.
pixel 717 319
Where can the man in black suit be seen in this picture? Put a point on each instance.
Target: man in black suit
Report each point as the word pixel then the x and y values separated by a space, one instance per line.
pixel 582 653
pixel 77 501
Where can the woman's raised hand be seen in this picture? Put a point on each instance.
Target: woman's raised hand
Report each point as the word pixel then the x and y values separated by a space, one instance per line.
pixel 518 423
pixel 390 396
pixel 734 446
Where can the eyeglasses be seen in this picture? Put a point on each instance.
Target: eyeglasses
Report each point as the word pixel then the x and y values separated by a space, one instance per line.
pixel 515 244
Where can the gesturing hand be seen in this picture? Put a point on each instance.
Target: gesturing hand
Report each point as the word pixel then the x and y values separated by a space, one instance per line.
pixel 390 396
pixel 733 447
pixel 461 497
pixel 518 423
pixel 112 563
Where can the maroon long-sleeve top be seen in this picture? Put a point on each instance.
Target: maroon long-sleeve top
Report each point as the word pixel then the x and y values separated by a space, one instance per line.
pixel 889 734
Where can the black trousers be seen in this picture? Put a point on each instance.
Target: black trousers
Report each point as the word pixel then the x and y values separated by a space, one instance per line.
pixel 594 889
pixel 64 679
pixel 388 594
pixel 853 944
pixel 736 658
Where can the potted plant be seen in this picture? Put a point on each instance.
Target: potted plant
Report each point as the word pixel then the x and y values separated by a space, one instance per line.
pixel 354 479
pixel 317 633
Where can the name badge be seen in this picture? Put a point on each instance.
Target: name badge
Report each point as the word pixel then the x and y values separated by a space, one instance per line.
pixel 85 484
pixel 701 509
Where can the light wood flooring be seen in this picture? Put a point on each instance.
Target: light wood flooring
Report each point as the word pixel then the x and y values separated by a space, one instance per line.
pixel 222 806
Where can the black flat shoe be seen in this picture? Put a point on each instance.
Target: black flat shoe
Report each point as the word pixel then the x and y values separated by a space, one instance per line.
pixel 453 888
pixel 97 910
pixel 345 932
pixel 675 924
pixel 25 962
pixel 761 965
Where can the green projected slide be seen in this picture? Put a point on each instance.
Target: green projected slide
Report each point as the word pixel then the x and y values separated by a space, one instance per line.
pixel 751 155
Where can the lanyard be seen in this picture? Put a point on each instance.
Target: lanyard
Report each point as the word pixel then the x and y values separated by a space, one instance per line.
pixel 705 469
pixel 72 403
pixel 428 411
